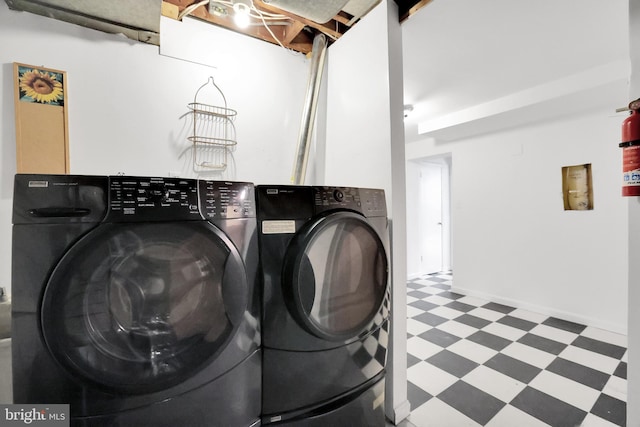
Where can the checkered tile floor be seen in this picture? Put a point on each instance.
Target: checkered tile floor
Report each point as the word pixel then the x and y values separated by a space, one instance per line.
pixel 476 363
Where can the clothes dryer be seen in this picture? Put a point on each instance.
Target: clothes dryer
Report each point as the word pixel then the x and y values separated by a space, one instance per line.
pixel 135 300
pixel 326 301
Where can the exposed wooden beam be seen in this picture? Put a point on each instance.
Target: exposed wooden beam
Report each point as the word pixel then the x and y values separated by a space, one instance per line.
pixel 292 32
pixel 329 28
pixel 290 36
pixel 344 18
pixel 296 35
pixel 170 10
pixel 413 9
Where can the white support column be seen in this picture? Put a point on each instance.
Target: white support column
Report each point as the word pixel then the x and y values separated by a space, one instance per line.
pixel 397 405
pixel 633 370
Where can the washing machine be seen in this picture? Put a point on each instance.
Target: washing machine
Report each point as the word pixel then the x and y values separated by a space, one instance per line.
pixel 135 300
pixel 325 304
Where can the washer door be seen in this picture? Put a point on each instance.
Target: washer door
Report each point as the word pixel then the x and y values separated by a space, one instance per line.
pixel 141 307
pixel 335 276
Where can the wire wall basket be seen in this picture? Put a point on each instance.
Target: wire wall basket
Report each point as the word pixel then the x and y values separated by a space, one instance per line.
pixel 214 133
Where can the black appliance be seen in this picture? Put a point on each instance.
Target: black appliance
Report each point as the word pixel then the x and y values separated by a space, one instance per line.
pixel 135 300
pixel 326 303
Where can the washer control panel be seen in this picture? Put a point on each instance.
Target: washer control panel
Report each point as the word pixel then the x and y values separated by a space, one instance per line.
pixel 368 201
pixel 221 200
pixel 152 199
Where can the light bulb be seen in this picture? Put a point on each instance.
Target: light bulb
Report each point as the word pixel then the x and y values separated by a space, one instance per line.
pixel 241 15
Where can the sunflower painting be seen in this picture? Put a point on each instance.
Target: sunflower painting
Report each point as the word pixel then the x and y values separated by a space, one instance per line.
pixel 41 86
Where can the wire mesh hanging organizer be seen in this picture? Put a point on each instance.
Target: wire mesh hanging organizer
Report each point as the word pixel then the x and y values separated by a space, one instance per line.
pixel 214 133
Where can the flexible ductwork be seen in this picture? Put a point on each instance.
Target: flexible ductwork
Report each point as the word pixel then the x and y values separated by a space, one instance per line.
pixel 138 20
pixel 323 11
pixel 310 107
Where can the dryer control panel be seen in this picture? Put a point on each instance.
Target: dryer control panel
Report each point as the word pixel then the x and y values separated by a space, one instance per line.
pixel 369 201
pixel 152 199
pixel 226 200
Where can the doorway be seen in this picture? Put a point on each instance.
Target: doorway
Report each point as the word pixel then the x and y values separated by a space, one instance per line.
pixel 429 215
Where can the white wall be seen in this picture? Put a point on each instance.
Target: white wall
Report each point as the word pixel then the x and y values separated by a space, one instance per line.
pixel 414 241
pixel 127 103
pixel 358 128
pixel 364 147
pixel 512 240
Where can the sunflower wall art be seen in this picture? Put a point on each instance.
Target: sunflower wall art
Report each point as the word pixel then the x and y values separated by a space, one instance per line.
pixel 40 85
pixel 40 101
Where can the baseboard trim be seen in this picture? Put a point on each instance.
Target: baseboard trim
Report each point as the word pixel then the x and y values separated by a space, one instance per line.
pixel 400 412
pixel 564 315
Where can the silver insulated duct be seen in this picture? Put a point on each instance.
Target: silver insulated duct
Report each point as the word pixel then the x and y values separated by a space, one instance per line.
pixel 318 52
pixel 138 20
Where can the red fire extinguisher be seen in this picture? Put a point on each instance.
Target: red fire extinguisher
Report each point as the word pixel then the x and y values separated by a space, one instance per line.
pixel 631 151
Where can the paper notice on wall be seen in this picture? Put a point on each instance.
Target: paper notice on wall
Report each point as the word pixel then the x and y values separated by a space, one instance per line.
pixel 279 227
pixel 577 187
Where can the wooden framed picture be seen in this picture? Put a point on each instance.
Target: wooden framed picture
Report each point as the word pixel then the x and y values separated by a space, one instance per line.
pixel 40 99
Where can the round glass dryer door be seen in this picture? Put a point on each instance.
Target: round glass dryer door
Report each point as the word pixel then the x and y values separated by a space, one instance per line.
pixel 336 274
pixel 141 307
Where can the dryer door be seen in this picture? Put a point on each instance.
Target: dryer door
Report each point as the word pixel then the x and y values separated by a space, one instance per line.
pixel 335 276
pixel 141 307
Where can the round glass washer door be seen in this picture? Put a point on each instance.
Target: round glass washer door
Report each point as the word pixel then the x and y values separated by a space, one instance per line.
pixel 336 276
pixel 141 307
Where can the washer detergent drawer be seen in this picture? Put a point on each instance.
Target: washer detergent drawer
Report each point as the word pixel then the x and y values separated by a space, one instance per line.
pixel 362 407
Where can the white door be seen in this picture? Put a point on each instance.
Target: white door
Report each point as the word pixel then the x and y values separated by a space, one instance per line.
pixel 431 218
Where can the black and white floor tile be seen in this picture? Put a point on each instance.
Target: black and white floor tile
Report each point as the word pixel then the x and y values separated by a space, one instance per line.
pixel 473 362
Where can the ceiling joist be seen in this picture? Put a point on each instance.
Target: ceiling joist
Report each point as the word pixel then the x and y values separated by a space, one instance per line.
pixel 284 28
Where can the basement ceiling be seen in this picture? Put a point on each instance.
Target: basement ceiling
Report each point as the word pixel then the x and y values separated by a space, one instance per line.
pixel 290 23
